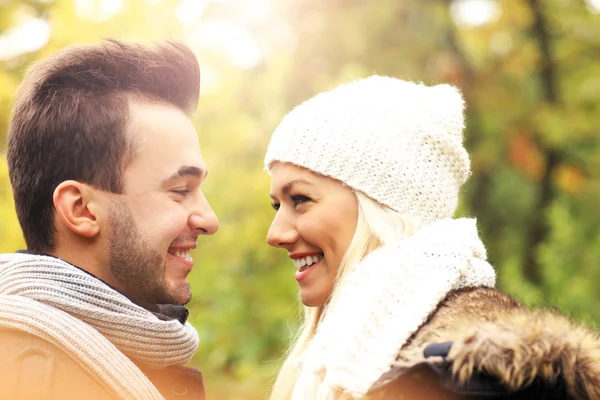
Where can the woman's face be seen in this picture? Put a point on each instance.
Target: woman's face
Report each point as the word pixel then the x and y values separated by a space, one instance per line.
pixel 315 222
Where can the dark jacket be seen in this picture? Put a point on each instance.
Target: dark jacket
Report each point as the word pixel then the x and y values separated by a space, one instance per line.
pixel 482 344
pixel 32 368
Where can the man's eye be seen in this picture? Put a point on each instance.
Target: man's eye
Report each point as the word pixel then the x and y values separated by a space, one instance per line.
pixel 275 206
pixel 299 199
pixel 181 192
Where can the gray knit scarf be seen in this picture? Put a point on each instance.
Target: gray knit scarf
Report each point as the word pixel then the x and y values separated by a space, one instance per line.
pixel 95 324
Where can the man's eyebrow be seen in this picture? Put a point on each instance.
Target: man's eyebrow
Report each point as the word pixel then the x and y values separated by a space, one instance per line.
pixel 186 170
pixel 288 186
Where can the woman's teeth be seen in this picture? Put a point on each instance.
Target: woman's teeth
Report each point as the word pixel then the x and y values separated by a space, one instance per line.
pixel 183 254
pixel 305 262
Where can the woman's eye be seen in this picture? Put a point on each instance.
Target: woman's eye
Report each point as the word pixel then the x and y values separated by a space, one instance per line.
pixel 299 199
pixel 275 206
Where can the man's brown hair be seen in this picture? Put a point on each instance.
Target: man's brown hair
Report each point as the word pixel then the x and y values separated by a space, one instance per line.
pixel 70 117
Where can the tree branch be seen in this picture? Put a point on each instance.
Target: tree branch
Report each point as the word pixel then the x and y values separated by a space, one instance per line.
pixel 539 230
pixel 480 200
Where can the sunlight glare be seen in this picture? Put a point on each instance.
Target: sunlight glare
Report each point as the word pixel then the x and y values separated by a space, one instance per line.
pixel 594 6
pixel 211 79
pixel 474 12
pixel 97 10
pixel 189 11
pixel 31 35
pixel 223 36
pixel 257 11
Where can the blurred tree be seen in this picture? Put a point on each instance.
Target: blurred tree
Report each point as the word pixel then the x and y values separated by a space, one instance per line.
pixel 528 71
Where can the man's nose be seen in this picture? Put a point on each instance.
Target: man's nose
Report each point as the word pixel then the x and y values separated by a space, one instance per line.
pixel 204 220
pixel 282 232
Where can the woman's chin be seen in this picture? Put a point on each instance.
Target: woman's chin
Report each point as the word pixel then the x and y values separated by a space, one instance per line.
pixel 313 299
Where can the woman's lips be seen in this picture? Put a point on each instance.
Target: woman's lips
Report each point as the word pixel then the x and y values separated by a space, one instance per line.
pixel 303 274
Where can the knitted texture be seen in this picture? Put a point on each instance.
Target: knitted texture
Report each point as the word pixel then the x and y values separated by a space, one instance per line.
pixel 83 343
pixel 398 142
pixel 90 320
pixel 385 299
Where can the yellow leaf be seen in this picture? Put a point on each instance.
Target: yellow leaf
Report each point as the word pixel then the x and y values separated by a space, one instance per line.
pixel 569 178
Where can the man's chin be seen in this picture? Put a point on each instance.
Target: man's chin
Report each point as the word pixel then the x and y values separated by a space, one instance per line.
pixel 174 293
pixel 181 294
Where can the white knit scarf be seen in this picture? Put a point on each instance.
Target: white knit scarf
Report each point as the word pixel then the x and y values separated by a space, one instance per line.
pixel 383 301
pixel 99 327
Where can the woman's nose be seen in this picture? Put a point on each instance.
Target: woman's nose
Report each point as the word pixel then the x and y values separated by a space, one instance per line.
pixel 282 232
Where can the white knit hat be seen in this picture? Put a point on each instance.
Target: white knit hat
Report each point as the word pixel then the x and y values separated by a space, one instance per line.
pixel 398 142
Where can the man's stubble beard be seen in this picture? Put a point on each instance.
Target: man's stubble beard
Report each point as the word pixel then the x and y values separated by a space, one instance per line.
pixel 134 264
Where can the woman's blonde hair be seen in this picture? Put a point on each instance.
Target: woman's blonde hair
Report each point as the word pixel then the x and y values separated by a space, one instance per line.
pixel 377 226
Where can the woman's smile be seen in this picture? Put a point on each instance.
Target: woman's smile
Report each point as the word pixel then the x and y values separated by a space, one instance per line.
pixel 305 263
pixel 315 222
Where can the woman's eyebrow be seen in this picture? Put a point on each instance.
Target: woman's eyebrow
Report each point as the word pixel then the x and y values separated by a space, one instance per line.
pixel 288 186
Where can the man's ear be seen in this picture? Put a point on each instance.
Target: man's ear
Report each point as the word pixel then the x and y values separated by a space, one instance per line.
pixel 76 208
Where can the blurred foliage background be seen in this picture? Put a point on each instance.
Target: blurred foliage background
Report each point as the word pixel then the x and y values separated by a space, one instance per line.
pixel 529 70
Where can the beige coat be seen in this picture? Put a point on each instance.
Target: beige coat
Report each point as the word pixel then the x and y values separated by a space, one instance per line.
pixel 34 369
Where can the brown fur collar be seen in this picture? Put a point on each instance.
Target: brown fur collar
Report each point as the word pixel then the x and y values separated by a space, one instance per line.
pixel 531 347
pixel 481 304
pixel 537 353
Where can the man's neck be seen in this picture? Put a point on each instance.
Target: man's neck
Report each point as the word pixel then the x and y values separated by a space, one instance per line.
pixel 165 312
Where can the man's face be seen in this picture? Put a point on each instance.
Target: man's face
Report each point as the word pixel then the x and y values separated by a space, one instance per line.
pixel 155 222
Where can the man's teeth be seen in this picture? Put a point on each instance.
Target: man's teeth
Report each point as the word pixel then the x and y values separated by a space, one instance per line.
pixel 183 254
pixel 307 261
